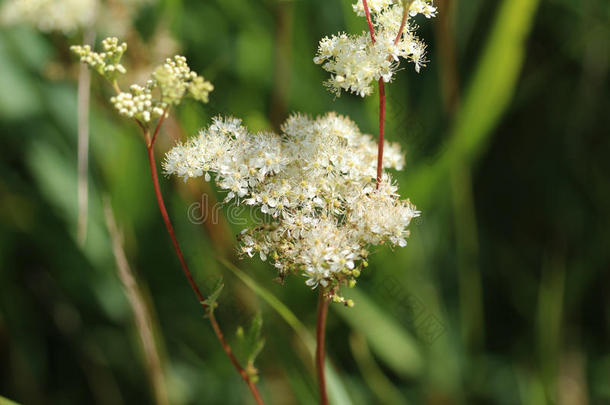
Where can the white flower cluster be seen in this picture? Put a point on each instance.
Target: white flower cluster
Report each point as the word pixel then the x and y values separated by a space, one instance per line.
pixel 139 103
pixel 355 62
pixel 316 184
pixel 50 15
pixel 175 78
pixel 106 63
pixel 415 7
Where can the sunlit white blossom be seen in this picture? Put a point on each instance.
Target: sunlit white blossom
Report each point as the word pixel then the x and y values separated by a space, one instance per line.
pixel 356 63
pixel 314 181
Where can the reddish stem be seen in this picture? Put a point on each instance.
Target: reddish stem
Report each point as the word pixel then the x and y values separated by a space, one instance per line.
pixel 381 131
pixel 244 375
pixel 157 128
pixel 170 230
pixel 405 15
pixel 150 143
pixel 168 225
pixel 320 337
pixel 381 100
pixel 367 12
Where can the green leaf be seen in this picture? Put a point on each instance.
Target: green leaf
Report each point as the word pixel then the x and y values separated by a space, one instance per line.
pixel 249 344
pixel 255 343
pixel 251 341
pixel 213 297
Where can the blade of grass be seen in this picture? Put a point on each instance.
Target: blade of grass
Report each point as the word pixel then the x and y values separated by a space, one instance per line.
pixel 387 338
pixel 550 313
pixel 381 385
pixel 290 318
pixel 494 81
pixel 467 257
pixel 6 401
pixel 486 98
pixel 142 312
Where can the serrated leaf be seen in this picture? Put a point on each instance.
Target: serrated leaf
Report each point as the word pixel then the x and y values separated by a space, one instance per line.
pixel 213 297
pixel 250 342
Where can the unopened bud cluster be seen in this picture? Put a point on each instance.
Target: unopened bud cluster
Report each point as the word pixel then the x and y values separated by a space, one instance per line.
pixel 356 63
pixel 169 84
pixel 139 103
pixel 106 63
pixel 175 79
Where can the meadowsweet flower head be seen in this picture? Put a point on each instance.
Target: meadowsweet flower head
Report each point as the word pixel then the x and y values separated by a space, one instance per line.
pixel 356 63
pixel 315 184
pixel 50 15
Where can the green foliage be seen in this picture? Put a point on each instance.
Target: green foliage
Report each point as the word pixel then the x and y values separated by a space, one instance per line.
pixel 249 344
pixel 212 298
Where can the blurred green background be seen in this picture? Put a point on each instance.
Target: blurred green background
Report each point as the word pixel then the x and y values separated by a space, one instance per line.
pixel 499 298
